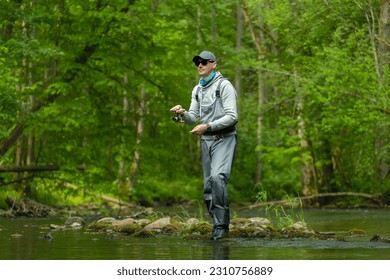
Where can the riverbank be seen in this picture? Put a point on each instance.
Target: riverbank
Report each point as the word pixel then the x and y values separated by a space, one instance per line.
pixel 30 208
pixel 145 222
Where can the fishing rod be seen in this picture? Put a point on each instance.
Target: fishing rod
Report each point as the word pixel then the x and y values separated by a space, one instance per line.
pixel 175 119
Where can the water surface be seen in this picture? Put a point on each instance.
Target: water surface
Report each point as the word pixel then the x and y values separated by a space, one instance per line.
pixel 26 239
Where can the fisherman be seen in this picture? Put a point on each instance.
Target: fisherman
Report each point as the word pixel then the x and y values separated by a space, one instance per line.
pixel 214 104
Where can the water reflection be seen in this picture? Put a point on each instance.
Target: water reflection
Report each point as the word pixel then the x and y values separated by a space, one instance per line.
pixel 221 251
pixel 25 239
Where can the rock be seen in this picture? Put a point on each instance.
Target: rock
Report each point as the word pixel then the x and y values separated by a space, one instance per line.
pixel 260 222
pixel 142 222
pixel 158 225
pixel 377 238
pixel 128 221
pixel 197 230
pixel 254 227
pixel 100 225
pixel 128 228
pixel 309 231
pixel 299 226
pixel 248 232
pixel 57 227
pixel 106 220
pixel 192 221
pixel 48 236
pixel 356 233
pixel 75 225
pixel 144 233
pixel 16 235
pixel 170 229
pixel 75 219
pixel 240 222
pixel 256 222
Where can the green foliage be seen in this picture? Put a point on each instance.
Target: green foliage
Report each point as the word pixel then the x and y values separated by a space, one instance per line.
pixel 8 96
pixel 152 192
pixel 91 84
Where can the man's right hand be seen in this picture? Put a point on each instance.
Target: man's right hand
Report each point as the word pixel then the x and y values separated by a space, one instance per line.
pixel 178 110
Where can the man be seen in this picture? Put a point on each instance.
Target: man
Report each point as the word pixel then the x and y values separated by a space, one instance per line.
pixel 213 102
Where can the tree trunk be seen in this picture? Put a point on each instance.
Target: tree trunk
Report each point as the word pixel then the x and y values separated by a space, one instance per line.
pixel 383 55
pixel 257 38
pixel 307 171
pixel 137 151
pixel 239 34
pixel 260 101
pixel 214 27
pixel 384 37
pixel 122 163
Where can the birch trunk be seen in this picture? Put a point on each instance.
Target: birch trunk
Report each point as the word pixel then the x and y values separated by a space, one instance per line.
pixel 239 34
pixel 122 163
pixel 261 101
pixel 257 38
pixel 307 169
pixel 383 61
pixel 137 152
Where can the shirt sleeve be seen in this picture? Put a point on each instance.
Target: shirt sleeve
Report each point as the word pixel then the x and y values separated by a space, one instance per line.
pixel 191 116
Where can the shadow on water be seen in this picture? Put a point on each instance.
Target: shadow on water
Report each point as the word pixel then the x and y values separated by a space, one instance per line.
pixel 29 239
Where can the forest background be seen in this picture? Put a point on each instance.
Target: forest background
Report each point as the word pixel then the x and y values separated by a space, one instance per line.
pixel 86 87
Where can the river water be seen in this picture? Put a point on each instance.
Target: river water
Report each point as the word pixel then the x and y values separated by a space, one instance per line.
pixel 24 239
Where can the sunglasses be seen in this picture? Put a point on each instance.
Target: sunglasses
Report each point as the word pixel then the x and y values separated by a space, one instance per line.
pixel 203 62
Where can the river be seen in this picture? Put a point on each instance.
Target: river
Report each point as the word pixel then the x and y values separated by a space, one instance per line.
pixel 26 239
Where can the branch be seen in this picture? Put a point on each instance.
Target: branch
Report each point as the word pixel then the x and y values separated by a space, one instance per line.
pixel 19 169
pixel 7 143
pixel 294 200
pixel 255 38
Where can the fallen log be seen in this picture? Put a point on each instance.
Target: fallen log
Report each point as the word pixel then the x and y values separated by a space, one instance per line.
pixel 28 207
pixel 101 196
pixel 19 169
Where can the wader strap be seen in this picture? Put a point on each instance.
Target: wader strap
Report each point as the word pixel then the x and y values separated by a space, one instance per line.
pixel 218 96
pixel 217 91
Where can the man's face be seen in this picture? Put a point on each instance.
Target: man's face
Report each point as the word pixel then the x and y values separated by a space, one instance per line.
pixel 205 67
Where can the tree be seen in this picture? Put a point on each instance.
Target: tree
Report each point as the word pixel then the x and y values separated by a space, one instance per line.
pixel 92 82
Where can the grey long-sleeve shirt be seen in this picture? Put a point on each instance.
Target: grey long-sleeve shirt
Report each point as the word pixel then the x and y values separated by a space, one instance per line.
pixel 219 113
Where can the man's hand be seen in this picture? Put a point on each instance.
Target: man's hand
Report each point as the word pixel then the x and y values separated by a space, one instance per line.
pixel 199 129
pixel 178 110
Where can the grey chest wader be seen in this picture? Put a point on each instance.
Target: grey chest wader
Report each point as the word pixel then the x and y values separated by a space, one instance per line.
pixel 218 148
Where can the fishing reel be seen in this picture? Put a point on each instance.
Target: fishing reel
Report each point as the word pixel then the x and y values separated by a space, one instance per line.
pixel 177 118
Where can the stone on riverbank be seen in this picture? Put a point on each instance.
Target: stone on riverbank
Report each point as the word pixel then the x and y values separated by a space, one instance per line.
pixel 196 230
pixel 255 227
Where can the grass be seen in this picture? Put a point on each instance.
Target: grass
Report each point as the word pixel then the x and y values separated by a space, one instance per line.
pixel 284 217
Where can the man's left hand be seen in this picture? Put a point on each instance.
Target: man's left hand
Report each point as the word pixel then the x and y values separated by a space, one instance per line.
pixel 199 129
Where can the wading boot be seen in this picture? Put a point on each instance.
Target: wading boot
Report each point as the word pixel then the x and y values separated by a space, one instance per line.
pixel 219 232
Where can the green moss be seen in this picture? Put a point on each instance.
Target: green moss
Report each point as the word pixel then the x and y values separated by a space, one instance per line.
pixel 248 232
pixel 99 227
pixel 239 222
pixel 356 232
pixel 144 234
pixel 128 228
pixel 201 229
pixel 170 230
